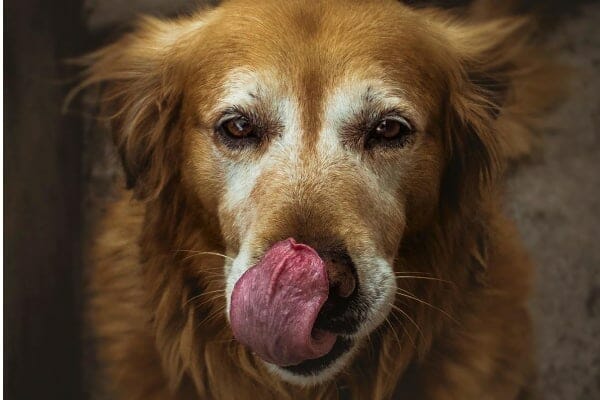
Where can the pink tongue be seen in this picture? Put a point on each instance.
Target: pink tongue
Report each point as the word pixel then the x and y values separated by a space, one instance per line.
pixel 274 305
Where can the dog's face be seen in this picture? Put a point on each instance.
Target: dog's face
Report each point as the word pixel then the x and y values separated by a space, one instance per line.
pixel 328 123
pixel 325 129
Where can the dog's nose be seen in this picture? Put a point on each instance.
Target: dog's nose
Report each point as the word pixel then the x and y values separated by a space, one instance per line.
pixel 341 275
pixel 341 271
pixel 341 312
pixel 336 315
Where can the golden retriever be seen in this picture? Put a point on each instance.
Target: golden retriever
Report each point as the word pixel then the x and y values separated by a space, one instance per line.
pixel 315 207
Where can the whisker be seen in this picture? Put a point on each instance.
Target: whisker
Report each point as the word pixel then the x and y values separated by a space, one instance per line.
pixel 200 253
pixel 209 292
pixel 409 318
pixel 407 294
pixel 413 273
pixel 205 301
pixel 428 278
pixel 387 320
pixel 212 315
pixel 404 329
pixel 194 298
pixel 210 274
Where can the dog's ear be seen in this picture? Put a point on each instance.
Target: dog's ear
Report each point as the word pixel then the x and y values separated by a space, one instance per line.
pixel 496 93
pixel 142 97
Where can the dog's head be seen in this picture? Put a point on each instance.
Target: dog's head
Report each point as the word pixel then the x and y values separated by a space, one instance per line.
pixel 316 136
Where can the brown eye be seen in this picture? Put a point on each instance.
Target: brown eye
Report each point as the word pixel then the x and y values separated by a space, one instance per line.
pixel 392 128
pixel 238 128
pixel 390 132
pixel 238 132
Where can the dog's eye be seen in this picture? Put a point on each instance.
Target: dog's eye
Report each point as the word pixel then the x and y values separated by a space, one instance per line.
pixel 238 132
pixel 392 128
pixel 390 131
pixel 238 128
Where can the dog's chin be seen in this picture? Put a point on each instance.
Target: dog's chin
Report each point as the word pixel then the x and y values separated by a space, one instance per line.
pixel 325 368
pixel 319 370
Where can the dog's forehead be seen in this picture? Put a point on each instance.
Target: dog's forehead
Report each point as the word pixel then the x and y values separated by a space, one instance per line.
pixel 319 53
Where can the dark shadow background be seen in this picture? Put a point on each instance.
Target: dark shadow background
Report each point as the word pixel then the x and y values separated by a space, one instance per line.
pixel 42 203
pixel 47 187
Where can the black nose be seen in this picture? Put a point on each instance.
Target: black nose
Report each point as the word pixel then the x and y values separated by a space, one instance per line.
pixel 340 313
pixel 341 274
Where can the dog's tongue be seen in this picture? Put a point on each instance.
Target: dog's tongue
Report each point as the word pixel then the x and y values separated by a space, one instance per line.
pixel 274 305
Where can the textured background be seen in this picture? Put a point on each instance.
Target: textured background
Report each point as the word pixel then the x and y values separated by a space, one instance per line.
pixel 554 197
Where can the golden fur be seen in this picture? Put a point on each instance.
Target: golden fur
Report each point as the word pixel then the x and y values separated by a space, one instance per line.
pixel 459 328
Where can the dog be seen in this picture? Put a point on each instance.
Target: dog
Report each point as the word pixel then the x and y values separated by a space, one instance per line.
pixel 313 203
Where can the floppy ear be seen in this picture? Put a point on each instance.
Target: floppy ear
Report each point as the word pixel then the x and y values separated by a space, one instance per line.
pixel 495 102
pixel 141 97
